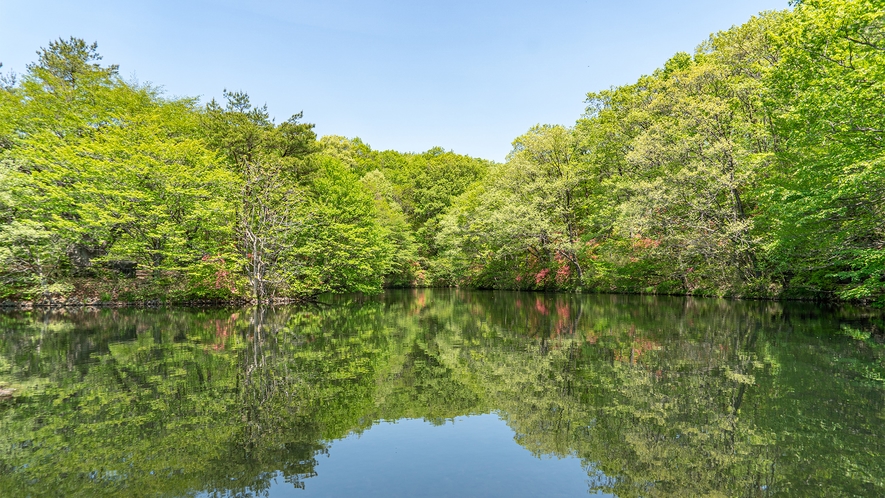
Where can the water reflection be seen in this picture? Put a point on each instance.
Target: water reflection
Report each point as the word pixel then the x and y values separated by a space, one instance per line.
pixel 656 396
pixel 468 456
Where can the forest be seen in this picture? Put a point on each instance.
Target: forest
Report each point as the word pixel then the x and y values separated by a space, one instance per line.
pixel 753 168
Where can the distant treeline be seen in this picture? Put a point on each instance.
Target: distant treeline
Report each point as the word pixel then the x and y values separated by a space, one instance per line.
pixel 753 168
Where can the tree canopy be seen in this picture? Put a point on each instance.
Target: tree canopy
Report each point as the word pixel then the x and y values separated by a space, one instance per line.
pixel 752 167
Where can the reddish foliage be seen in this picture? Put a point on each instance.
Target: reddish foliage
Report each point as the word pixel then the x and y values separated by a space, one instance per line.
pixel 640 242
pixel 222 275
pixel 563 274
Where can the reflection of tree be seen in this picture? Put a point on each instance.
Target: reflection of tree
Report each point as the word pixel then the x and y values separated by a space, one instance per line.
pixel 663 397
pixel 669 400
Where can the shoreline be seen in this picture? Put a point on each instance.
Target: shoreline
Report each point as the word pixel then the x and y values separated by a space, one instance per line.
pixel 9 305
pixel 97 303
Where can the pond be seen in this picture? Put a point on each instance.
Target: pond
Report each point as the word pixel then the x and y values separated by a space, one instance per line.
pixel 446 393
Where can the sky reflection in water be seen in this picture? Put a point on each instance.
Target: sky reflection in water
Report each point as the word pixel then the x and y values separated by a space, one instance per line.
pixel 467 456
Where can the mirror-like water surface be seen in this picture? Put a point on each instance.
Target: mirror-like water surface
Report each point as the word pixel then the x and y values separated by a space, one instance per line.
pixel 466 456
pixel 446 392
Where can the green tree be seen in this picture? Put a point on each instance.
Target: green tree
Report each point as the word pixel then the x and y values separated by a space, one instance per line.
pixel 271 163
pixel 344 247
pixel 828 193
pixel 112 171
pixel 396 229
pixel 531 208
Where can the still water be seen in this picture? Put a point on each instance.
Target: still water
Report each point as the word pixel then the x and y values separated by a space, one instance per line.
pixel 446 393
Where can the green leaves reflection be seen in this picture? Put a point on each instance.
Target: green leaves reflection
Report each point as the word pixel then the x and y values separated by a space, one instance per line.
pixel 658 396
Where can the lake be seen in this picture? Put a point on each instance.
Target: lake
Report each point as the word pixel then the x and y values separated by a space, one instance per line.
pixel 446 393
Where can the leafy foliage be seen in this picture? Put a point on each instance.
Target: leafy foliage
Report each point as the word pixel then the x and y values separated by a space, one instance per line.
pixel 752 168
pixel 106 179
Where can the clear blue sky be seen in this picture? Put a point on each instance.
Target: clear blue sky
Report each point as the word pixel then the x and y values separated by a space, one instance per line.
pixel 464 75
